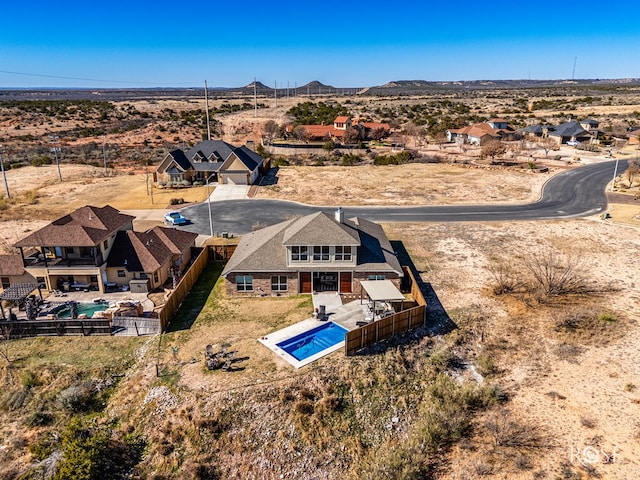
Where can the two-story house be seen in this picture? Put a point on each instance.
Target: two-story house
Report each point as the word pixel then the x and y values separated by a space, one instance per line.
pixel 314 253
pixel 71 252
pixel 213 161
pixel 95 248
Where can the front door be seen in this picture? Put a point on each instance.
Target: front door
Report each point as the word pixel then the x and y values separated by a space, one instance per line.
pixel 305 282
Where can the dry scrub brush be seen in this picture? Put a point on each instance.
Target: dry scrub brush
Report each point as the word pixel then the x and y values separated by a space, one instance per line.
pixel 543 275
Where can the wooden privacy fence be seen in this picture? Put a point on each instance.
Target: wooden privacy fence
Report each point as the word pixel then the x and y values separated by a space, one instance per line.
pixel 384 328
pixel 173 301
pixel 387 327
pixel 35 328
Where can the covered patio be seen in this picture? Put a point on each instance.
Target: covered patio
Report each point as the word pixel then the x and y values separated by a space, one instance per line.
pixel 379 294
pixel 19 293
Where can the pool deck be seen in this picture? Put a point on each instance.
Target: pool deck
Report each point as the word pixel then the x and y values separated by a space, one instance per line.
pixel 344 315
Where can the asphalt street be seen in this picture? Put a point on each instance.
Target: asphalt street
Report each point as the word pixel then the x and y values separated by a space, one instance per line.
pixel 574 193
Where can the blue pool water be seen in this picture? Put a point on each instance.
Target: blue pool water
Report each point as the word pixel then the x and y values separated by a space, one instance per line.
pixel 64 310
pixel 313 341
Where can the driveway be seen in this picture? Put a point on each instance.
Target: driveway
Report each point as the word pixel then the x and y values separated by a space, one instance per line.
pixel 224 192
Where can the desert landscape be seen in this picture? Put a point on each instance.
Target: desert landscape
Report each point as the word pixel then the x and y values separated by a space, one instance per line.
pixel 507 380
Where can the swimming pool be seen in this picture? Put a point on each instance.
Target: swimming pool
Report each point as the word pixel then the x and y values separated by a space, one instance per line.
pixel 313 341
pixel 64 310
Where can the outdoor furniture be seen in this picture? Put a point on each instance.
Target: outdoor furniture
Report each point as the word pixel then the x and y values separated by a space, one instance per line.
pixel 322 312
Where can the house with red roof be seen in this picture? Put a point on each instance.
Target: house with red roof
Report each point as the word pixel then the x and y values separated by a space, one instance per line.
pixel 341 124
pixel 495 129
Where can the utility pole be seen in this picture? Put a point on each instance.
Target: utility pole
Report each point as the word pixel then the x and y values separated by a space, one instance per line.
pixel 275 92
pixel 104 153
pixel 206 106
pixel 4 174
pixel 55 149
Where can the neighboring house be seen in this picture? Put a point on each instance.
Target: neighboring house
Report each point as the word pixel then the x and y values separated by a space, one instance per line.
pixel 572 131
pixel 341 124
pixel 214 160
pixel 71 252
pixel 495 129
pixel 314 253
pixel 12 271
pixel 146 260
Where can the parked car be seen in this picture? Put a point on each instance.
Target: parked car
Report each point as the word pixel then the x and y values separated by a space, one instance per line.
pixel 573 143
pixel 174 218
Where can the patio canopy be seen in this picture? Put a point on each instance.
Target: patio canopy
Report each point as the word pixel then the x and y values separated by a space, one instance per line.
pixel 18 291
pixel 381 290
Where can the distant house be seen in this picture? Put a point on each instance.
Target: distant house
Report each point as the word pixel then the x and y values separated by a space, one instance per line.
pixel 214 160
pixel 12 271
pixel 571 131
pixel 146 260
pixel 71 252
pixel 341 124
pixel 480 133
pixel 314 253
pixel 634 137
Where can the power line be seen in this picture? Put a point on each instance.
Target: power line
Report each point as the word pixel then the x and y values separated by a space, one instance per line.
pixel 62 77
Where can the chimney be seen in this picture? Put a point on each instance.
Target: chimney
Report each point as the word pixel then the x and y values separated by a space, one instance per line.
pixel 251 145
pixel 340 215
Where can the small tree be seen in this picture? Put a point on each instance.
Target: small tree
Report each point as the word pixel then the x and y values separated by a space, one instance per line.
pixel 301 134
pixel 632 171
pixel 547 144
pixel 350 136
pixel 492 149
pixel 270 130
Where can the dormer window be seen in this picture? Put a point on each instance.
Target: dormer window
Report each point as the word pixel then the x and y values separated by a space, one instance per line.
pixel 198 157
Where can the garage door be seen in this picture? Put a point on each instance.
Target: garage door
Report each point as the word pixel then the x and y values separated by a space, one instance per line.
pixel 236 178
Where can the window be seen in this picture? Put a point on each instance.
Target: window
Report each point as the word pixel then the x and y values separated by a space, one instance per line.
pixel 143 276
pixel 244 283
pixel 121 273
pixel 105 245
pixel 376 277
pixel 321 254
pixel 299 254
pixel 343 254
pixel 6 283
pixel 279 283
pixel 93 279
pixel 69 251
pixel 155 277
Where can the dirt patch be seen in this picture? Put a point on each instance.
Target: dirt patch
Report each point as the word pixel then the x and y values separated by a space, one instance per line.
pixel 410 184
pixel 580 393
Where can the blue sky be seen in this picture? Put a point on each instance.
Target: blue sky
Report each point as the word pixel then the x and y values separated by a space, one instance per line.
pixel 146 44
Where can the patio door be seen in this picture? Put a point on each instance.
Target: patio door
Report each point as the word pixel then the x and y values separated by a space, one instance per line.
pixel 345 282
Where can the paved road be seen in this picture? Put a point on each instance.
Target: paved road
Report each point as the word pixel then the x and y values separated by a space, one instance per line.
pixel 570 194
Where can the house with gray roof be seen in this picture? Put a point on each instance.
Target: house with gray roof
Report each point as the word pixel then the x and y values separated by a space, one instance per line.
pixel 571 131
pixel 315 253
pixel 215 160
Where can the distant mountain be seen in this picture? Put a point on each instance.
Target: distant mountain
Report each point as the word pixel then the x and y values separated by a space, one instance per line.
pixel 414 87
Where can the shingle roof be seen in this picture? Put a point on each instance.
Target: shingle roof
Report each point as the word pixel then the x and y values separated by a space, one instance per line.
pixel 568 129
pixel 341 119
pixel 84 227
pixel 148 251
pixel 320 229
pixel 11 265
pixel 265 249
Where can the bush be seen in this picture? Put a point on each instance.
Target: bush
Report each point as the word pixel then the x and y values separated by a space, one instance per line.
pixel 176 201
